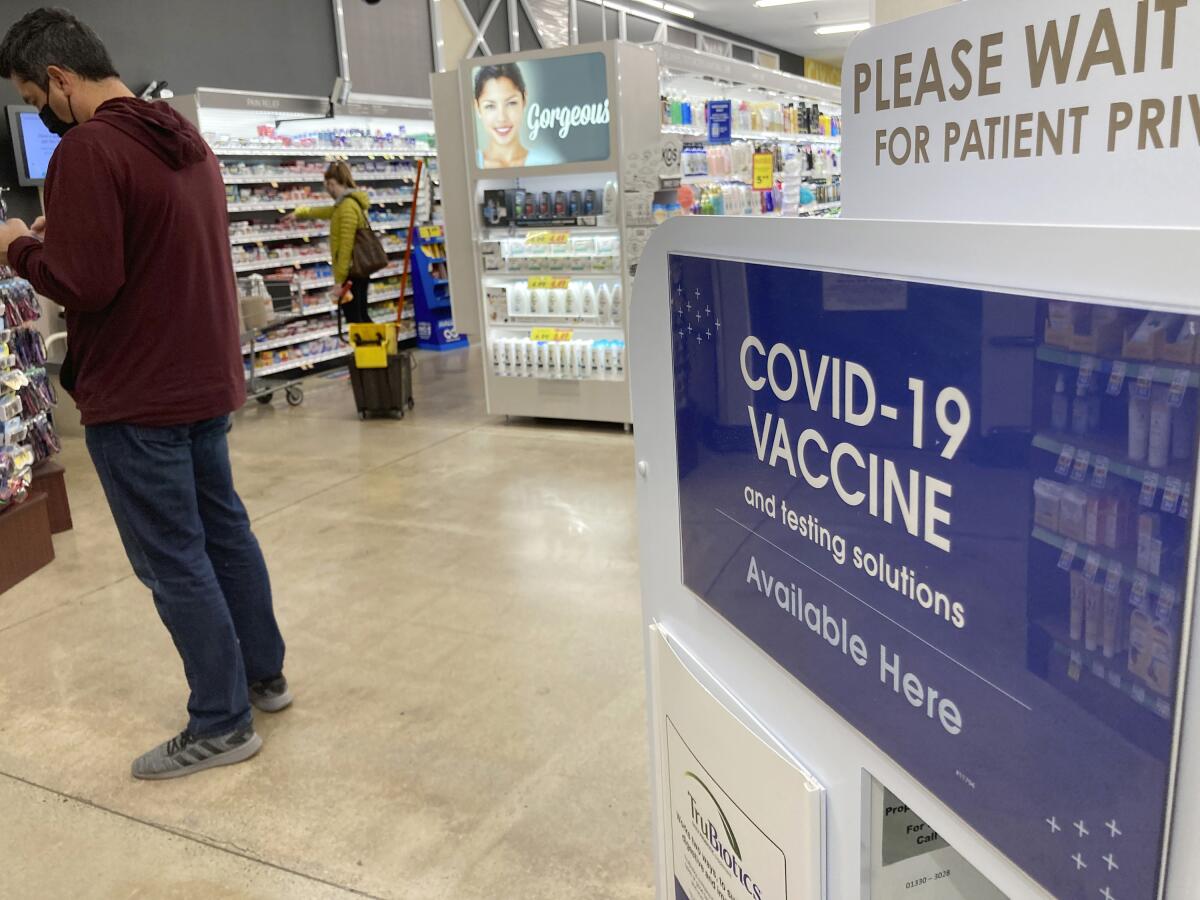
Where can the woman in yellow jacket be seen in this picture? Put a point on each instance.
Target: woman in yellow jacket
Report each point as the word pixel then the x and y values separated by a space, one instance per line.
pixel 347 214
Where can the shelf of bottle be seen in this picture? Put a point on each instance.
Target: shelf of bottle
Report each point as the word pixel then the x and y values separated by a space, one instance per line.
pixel 738 135
pixel 1114 451
pixel 315 334
pixel 526 274
pixel 521 232
pixel 282 203
pixel 568 323
pixel 307 260
pixel 813 208
pixel 298 363
pixel 1164 371
pixel 598 379
pixel 314 178
pixel 381 297
pixel 1129 571
pixel 328 282
pixel 1113 671
pixel 302 233
pixel 325 152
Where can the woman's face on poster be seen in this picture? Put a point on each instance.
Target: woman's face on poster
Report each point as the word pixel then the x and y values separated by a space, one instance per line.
pixel 501 107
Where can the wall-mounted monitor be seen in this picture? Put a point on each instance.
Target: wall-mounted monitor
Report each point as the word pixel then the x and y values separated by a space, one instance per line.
pixel 33 145
pixel 544 111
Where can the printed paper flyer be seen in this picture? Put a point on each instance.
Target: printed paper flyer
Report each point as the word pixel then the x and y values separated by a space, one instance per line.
pixel 742 821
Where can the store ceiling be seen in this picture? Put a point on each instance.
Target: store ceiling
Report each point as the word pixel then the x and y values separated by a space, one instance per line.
pixel 787 27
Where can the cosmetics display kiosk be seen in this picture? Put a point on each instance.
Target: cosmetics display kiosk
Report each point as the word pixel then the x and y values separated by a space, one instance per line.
pixel 916 498
pixel 548 138
pixel 274 149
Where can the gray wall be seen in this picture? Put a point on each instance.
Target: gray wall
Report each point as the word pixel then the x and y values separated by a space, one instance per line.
pixel 391 51
pixel 285 46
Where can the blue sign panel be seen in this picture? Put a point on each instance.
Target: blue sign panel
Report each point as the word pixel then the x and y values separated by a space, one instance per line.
pixel 961 519
pixel 720 121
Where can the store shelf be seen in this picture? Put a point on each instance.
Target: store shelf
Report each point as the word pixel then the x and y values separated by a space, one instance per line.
pixel 315 178
pixel 1164 372
pixel 323 152
pixel 520 232
pixel 290 339
pixel 700 131
pixel 381 297
pixel 1118 462
pixel 1112 671
pixel 300 234
pixel 523 274
pixel 280 263
pixel 267 205
pixel 300 363
pixel 328 282
pixel 817 208
pixel 1128 569
pixel 553 322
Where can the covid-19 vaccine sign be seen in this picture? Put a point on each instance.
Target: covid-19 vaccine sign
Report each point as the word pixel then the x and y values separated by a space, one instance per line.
pixel 962 520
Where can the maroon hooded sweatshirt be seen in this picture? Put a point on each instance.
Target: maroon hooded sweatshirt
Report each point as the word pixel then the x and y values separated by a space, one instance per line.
pixel 137 251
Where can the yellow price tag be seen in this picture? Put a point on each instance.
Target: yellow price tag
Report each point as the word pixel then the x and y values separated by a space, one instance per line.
pixel 764 171
pixel 551 334
pixel 546 238
pixel 431 231
pixel 548 282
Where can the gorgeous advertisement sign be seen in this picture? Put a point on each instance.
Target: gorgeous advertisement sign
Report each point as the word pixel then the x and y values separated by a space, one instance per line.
pixel 962 519
pixel 541 112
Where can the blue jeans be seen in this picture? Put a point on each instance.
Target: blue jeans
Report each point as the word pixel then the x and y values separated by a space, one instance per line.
pixel 188 538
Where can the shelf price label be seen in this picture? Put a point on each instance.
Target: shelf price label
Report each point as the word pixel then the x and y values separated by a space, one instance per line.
pixel 1141 587
pixel 1068 555
pixel 1087 365
pixel 546 238
pixel 1179 385
pixel 1116 378
pixel 764 171
pixel 1171 493
pixel 1083 459
pixel 1144 379
pixel 1113 580
pixel 1065 457
pixel 551 334
pixel 548 282
pixel 1092 566
pixel 1149 489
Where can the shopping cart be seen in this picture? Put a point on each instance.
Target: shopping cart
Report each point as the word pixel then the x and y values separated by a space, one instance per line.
pixel 284 300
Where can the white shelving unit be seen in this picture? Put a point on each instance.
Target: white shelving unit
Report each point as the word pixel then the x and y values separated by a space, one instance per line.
pixel 273 150
pixel 554 388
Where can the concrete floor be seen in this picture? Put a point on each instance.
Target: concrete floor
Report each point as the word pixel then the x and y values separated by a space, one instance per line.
pixel 460 602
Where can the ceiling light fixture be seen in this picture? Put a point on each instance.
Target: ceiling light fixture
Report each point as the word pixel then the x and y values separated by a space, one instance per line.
pixel 678 11
pixel 842 29
pixel 763 4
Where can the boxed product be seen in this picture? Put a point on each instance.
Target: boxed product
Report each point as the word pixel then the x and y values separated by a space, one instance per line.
pixel 1146 338
pixel 1047 495
pixel 1078 603
pixel 1114 638
pixel 1098 329
pixel 1149 545
pixel 1060 323
pixel 1072 513
pixel 1180 345
pixel 497 209
pixel 489 252
pixel 1093 619
pixel 1151 651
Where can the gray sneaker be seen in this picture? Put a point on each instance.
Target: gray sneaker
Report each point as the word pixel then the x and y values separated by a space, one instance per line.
pixel 271 694
pixel 186 753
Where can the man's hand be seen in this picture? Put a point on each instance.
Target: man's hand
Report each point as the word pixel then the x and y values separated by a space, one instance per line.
pixel 9 232
pixel 38 228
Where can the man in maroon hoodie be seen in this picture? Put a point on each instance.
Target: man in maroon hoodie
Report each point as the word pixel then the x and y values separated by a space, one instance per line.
pixel 134 246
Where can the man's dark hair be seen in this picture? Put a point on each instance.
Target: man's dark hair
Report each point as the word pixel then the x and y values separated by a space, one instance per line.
pixel 53 37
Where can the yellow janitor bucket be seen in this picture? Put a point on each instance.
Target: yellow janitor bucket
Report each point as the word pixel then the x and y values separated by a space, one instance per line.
pixel 373 343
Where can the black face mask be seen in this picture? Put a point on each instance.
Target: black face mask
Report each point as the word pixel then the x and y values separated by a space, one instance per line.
pixel 50 118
